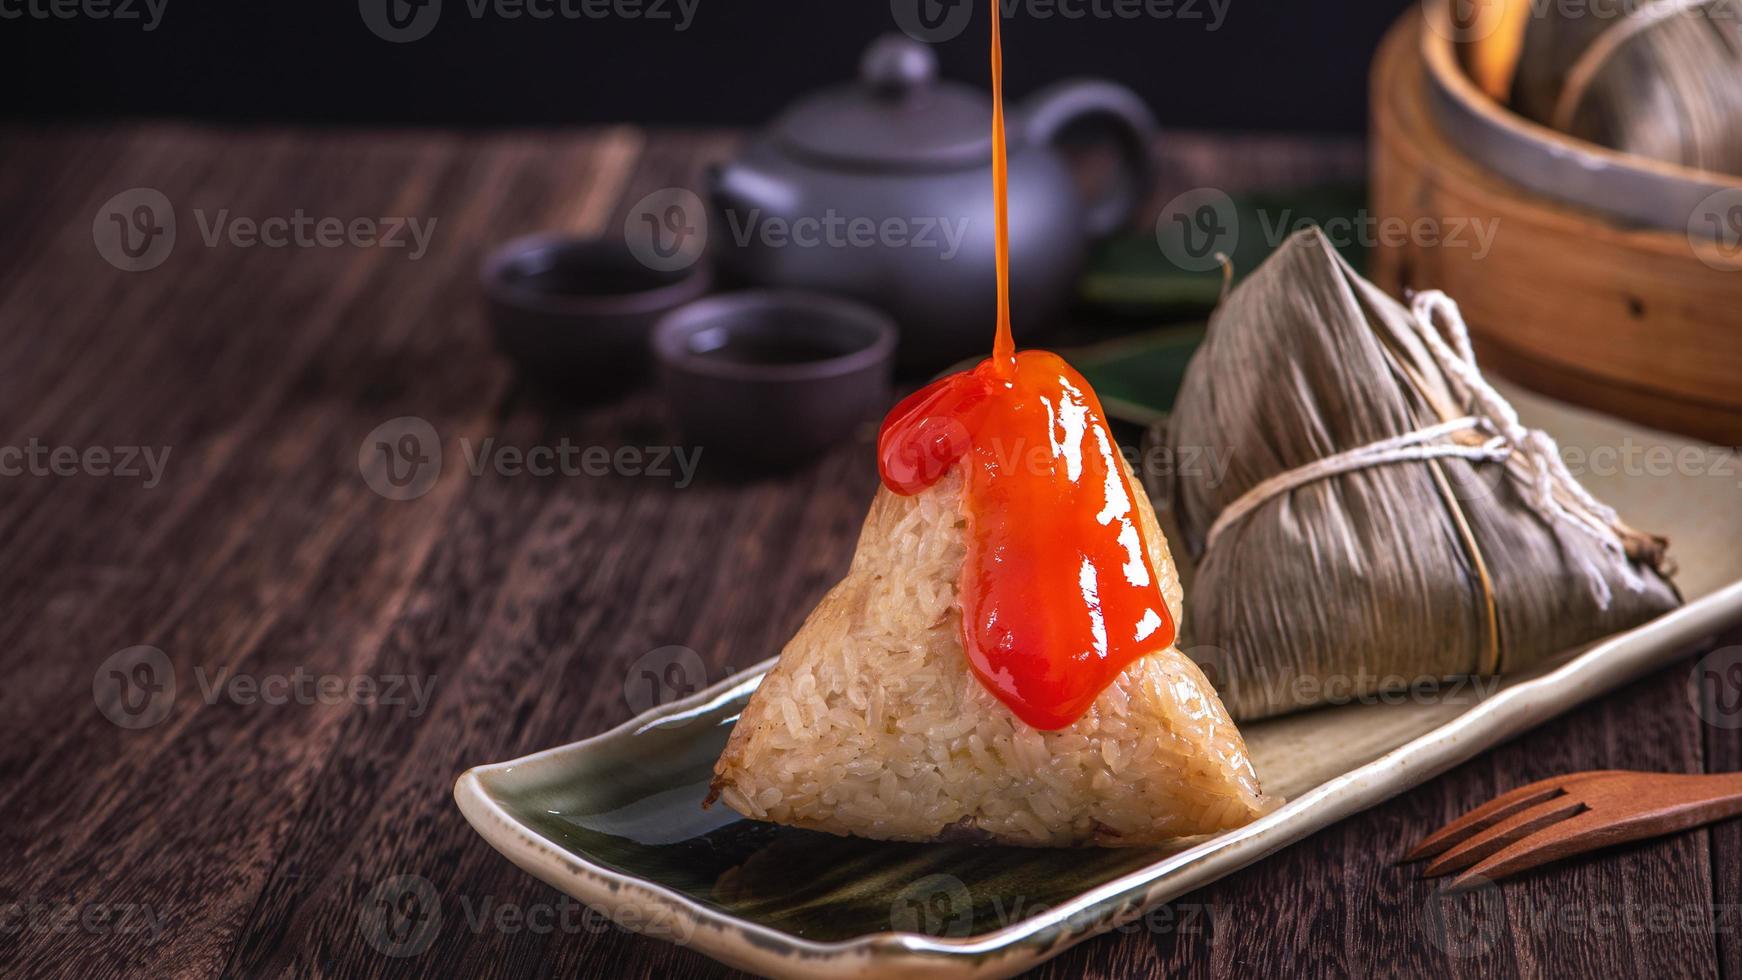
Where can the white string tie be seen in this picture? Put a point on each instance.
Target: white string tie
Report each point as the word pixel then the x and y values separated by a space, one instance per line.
pixel 1531 455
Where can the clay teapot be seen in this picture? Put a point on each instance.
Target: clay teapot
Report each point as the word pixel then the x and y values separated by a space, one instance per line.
pixel 882 190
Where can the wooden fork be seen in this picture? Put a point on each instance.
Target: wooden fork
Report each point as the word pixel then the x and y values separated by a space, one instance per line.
pixel 1568 815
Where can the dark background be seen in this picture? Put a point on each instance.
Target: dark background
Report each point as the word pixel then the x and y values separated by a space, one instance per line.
pixel 1275 65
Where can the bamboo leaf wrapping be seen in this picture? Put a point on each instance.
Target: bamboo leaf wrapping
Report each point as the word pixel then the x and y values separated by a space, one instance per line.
pixel 1372 580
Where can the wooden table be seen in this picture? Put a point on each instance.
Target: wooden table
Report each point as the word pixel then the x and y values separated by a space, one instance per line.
pixel 237 837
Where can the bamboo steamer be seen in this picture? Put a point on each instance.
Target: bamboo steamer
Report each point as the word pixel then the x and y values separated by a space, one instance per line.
pixel 1599 286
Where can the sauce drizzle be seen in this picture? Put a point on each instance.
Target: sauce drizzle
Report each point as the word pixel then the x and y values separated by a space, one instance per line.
pixel 1003 343
pixel 1058 593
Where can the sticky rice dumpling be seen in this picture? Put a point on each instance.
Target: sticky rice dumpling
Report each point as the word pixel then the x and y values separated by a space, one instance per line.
pixel 873 724
pixel 1384 516
pixel 1656 78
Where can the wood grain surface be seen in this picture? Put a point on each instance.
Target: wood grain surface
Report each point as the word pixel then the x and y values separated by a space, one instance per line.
pixel 241 838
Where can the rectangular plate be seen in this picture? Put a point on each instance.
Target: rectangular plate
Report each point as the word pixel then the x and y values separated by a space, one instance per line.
pixel 616 821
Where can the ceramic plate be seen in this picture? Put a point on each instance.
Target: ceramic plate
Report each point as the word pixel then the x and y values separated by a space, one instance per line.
pixel 616 821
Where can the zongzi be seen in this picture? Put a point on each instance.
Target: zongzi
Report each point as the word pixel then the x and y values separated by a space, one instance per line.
pixel 1656 78
pixel 1384 517
pixel 874 722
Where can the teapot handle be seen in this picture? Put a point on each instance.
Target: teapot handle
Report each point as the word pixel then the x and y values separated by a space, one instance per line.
pixel 1121 115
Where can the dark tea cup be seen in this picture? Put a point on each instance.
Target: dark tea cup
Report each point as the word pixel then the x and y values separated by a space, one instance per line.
pixel 577 314
pixel 771 378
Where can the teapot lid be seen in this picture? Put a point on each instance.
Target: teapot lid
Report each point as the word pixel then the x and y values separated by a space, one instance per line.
pixel 897 116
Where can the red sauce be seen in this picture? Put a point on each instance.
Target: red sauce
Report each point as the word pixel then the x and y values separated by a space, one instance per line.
pixel 1058 593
